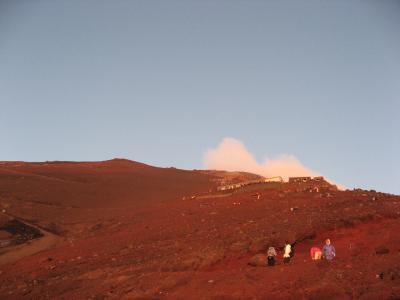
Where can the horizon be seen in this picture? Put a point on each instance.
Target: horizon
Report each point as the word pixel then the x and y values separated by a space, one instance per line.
pixel 285 178
pixel 298 87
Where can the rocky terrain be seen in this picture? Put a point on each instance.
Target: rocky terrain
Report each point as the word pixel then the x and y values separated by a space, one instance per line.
pixel 126 230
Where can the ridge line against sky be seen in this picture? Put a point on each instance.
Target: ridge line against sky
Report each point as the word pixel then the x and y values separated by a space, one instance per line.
pixel 162 82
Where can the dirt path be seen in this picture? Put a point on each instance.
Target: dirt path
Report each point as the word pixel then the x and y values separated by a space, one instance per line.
pixel 32 247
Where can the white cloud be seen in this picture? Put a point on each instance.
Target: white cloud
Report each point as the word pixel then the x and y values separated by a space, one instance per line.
pixel 232 155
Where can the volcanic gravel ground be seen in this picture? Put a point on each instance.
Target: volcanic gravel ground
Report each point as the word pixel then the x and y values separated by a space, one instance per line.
pixel 200 249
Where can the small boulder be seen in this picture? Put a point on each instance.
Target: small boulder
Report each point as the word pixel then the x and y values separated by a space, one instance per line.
pixel 240 246
pixel 211 256
pixel 381 250
pixel 258 260
pixel 258 245
pixel 394 273
pixel 196 260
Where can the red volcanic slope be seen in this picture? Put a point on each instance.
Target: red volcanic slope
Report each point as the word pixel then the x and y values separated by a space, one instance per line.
pixel 88 184
pixel 195 248
pixel 69 197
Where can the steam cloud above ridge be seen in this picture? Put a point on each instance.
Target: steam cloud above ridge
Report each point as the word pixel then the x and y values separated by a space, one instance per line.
pixel 232 155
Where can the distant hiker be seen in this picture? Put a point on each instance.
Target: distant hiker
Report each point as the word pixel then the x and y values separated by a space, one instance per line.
pixel 328 251
pixel 271 256
pixel 315 253
pixel 286 253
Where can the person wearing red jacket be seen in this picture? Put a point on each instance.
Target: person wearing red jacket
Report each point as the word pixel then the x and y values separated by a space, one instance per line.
pixel 315 253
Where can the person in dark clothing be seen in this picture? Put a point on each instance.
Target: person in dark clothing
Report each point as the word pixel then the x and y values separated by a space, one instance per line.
pixel 271 256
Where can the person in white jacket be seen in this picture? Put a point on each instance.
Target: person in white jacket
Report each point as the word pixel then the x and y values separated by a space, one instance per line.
pixel 286 253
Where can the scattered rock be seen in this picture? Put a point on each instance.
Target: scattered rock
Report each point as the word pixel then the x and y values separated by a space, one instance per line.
pixel 211 256
pixel 122 278
pixel 381 250
pixel 198 260
pixel 258 260
pixel 258 245
pixel 96 227
pixel 21 286
pixel 93 274
pixel 241 246
pixel 38 282
pixel 124 251
pixel 392 273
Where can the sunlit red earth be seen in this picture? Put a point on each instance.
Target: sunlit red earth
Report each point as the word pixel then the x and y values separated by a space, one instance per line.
pixel 124 230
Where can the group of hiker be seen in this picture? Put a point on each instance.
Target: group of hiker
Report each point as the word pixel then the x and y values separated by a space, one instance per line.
pixel 328 252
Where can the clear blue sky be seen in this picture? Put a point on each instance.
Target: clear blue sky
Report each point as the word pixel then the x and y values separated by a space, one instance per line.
pixel 162 81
